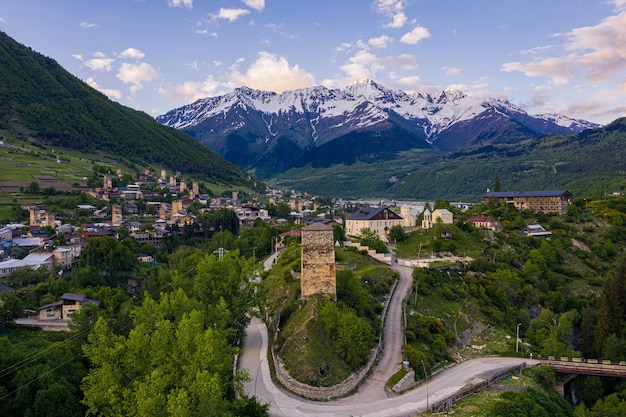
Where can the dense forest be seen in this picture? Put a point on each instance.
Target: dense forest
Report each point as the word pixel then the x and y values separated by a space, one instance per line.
pixel 162 340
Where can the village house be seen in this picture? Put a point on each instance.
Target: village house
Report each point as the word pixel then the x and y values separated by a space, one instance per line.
pixel 536 230
pixel 378 219
pixel 553 201
pixel 485 223
pixel 63 309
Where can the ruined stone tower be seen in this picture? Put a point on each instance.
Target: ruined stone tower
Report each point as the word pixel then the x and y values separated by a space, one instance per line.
pixel 318 261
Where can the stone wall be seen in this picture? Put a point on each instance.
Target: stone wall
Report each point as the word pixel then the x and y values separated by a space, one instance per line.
pixel 408 381
pixel 381 257
pixel 318 274
pixel 341 389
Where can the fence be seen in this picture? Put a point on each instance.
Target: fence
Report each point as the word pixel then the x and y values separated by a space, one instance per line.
pixel 441 405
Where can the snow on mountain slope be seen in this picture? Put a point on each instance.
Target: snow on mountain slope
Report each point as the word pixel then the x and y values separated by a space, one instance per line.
pixel 361 104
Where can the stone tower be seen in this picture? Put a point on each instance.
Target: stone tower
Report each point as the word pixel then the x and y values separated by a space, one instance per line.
pixel 50 218
pixel 108 181
pixel 116 214
pixel 195 188
pixel 35 216
pixel 318 261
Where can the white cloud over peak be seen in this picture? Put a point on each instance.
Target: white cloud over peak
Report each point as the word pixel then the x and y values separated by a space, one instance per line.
pixel 272 73
pixel 191 91
pixel 257 5
pixel 450 71
pixel 187 4
pixel 231 14
pixel 417 34
pixel 132 53
pixel 380 42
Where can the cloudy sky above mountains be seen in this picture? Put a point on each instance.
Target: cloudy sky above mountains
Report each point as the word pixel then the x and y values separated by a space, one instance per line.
pixel 555 56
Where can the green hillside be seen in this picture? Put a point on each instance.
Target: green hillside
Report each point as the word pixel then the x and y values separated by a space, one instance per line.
pixel 583 163
pixel 43 104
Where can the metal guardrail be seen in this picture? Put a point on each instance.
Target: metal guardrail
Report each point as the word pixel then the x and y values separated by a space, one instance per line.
pixel 448 402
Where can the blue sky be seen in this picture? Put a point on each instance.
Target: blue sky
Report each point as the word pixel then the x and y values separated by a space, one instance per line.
pixel 548 56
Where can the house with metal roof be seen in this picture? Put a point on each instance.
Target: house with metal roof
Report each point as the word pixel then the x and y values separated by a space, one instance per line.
pixel 64 308
pixel 378 219
pixel 551 201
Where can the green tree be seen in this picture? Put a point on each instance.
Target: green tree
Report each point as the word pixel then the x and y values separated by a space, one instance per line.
pixel 397 233
pixel 10 307
pixel 496 183
pixel 369 238
pixel 339 233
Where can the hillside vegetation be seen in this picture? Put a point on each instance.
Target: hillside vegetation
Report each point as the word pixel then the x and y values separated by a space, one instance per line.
pixel 582 163
pixel 564 294
pixel 42 103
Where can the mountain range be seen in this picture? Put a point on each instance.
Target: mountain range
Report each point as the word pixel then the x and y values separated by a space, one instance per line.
pixel 269 133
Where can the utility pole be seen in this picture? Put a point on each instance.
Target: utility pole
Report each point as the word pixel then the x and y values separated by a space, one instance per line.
pixel 425 377
pixel 517 337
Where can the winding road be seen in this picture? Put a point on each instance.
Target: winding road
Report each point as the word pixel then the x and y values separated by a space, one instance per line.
pixel 371 399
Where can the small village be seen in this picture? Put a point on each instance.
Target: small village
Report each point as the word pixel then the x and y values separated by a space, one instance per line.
pixel 46 243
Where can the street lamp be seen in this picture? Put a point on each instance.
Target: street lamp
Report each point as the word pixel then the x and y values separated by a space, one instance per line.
pixel 517 337
pixel 425 377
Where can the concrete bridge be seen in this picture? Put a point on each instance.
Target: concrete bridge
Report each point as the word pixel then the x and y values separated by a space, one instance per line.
pixel 569 368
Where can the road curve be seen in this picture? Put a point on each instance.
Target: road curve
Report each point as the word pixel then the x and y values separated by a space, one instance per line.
pixel 285 404
pixel 370 399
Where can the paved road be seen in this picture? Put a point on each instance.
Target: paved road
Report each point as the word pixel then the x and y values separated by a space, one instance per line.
pixel 371 399
pixel 374 387
pixel 284 404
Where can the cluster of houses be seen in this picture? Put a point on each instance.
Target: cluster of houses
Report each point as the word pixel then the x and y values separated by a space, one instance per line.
pixel 42 253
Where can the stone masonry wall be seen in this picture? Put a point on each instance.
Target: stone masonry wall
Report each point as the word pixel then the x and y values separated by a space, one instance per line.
pixel 341 389
pixel 318 274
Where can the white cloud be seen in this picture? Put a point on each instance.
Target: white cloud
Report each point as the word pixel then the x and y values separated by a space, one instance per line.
pixel 191 91
pixel 136 74
pixel 88 25
pixel 595 52
pixel 99 54
pixel 231 14
pixel 399 19
pixel 272 73
pixel 362 65
pixel 417 34
pixel 257 5
pixel 132 53
pixel 187 4
pixel 78 56
pixel 451 71
pixel 393 9
pixel 115 94
pixel 99 64
pixel 380 42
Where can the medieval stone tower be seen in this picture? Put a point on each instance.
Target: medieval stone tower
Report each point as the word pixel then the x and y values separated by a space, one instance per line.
pixel 318 261
pixel 108 182
pixel 116 214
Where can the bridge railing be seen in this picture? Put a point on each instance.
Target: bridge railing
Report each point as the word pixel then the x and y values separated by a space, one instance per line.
pixel 581 360
pixel 448 402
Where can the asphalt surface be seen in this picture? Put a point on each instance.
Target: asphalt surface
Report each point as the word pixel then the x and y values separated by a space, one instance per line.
pixel 371 399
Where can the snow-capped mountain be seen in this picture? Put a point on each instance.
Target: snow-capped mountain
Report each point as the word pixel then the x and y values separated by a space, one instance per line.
pixel 271 132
